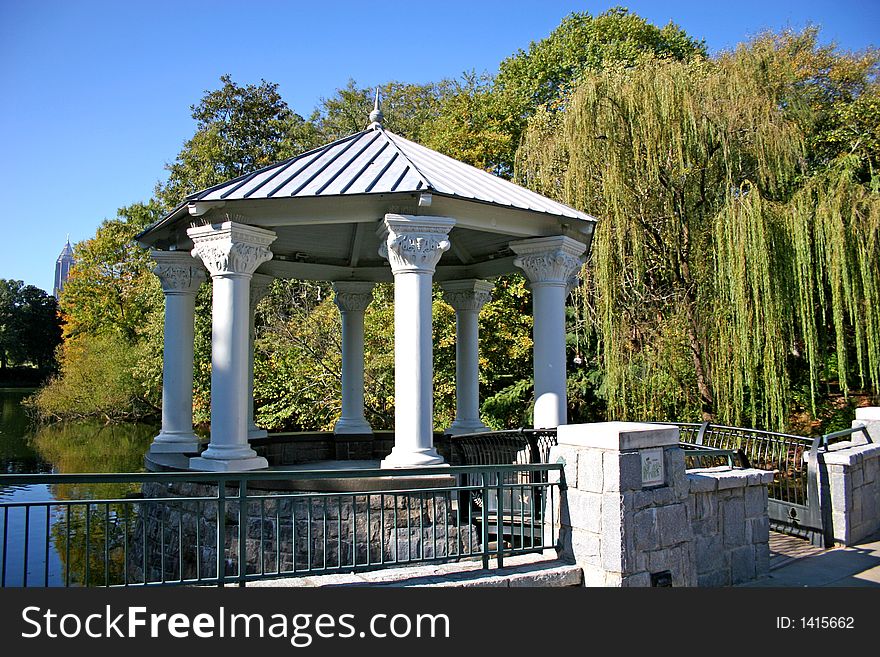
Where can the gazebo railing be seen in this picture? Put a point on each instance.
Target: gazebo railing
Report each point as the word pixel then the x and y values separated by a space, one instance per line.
pixel 201 528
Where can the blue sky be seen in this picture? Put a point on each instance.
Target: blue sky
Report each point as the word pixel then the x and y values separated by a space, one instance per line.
pixel 96 95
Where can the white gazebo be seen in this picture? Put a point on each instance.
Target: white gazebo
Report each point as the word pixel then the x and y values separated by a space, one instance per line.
pixel 368 208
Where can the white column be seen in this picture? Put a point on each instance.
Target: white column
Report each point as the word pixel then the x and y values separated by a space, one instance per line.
pixel 180 275
pixel 231 252
pixel 352 299
pixel 259 288
pixel 550 263
pixel 413 246
pixel 467 297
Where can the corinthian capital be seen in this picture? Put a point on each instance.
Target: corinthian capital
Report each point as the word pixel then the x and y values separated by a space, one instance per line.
pixel 231 248
pixel 353 296
pixel 549 260
pixel 414 244
pixel 467 295
pixel 178 271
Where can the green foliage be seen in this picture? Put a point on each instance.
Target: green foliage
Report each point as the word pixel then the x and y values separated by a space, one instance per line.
pixel 110 287
pixel 472 124
pixel 719 247
pixel 239 129
pixel 543 75
pixel 98 378
pixel 405 107
pixel 30 329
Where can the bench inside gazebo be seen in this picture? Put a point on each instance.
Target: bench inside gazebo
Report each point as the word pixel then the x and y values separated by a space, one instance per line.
pixel 371 207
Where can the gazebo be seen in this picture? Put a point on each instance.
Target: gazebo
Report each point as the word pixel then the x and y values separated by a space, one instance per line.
pixel 371 207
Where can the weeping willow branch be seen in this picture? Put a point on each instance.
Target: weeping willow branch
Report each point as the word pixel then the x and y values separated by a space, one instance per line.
pixel 717 250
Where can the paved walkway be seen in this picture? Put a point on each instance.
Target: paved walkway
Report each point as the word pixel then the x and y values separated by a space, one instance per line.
pixel 858 565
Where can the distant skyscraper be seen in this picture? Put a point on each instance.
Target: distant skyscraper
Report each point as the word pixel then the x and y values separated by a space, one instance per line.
pixel 62 267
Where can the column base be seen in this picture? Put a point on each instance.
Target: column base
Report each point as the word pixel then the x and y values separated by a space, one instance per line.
pixel 167 442
pixel 228 465
pixel 256 432
pixel 466 426
pixel 405 458
pixel 352 426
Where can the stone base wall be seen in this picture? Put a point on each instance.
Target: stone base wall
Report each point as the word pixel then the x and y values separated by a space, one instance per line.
pixel 728 514
pixel 332 531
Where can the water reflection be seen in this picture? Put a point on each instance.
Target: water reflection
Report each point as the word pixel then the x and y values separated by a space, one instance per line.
pixel 46 543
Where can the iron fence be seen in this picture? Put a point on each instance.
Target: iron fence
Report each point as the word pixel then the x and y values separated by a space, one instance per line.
pixel 221 528
pixel 510 446
pixel 797 501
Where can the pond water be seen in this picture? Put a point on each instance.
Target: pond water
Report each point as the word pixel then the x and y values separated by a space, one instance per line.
pixel 64 447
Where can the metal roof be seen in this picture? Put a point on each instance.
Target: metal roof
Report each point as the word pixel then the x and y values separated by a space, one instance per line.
pixel 375 161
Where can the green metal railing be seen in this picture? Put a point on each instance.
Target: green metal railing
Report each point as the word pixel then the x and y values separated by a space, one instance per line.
pixel 796 494
pixel 702 456
pixel 222 528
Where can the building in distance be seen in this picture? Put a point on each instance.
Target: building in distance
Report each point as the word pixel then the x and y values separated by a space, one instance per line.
pixel 62 268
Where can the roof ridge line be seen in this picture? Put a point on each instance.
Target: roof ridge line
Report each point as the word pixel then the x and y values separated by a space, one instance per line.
pixel 388 136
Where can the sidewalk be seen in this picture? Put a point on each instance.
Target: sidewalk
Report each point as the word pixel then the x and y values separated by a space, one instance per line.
pixel 845 566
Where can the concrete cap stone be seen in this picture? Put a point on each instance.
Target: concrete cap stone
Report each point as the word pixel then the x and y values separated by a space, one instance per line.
pixel 703 480
pixel 868 413
pixel 852 455
pixel 617 436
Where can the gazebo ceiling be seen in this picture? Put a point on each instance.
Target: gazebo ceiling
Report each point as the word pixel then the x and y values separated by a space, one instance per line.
pixel 326 204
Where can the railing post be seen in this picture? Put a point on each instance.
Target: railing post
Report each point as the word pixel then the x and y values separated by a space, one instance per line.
pixel 499 520
pixel 221 532
pixel 818 509
pixel 701 434
pixel 242 531
pixel 485 522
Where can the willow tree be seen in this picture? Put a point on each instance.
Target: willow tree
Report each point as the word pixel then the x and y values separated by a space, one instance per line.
pixel 726 248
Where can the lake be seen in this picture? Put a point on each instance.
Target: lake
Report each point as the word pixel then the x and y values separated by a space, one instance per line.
pixel 63 447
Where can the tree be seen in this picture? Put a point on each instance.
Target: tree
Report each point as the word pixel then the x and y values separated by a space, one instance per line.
pixel 29 325
pixel 405 108
pixel 725 247
pixel 239 129
pixel 9 293
pixel 472 125
pixel 37 328
pixel 549 69
pixel 110 287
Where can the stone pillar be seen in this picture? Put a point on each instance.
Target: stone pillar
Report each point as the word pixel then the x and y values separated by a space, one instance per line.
pixel 260 284
pixel 550 263
pixel 231 252
pixel 623 516
pixel 352 299
pixel 413 246
pixel 467 297
pixel 180 275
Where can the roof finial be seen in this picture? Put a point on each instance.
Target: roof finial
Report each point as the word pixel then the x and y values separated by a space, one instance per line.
pixel 376 115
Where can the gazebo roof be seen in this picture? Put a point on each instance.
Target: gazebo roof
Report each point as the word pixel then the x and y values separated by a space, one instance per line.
pixel 376 161
pixel 324 206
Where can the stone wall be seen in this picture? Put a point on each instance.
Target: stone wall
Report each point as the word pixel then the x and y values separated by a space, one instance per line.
pixel 728 514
